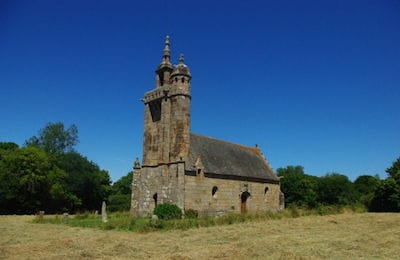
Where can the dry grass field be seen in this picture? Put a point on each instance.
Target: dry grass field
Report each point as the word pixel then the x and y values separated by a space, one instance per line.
pixel 343 236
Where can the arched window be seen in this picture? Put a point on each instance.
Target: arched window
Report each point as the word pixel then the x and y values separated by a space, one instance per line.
pixel 245 195
pixel 243 205
pixel 214 191
pixel 265 190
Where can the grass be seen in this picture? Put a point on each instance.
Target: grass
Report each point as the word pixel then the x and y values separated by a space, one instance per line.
pixel 341 236
pixel 122 220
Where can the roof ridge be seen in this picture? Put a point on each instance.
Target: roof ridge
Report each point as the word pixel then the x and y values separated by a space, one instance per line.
pixel 255 150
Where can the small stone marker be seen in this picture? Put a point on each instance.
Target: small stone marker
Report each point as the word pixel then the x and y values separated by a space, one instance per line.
pixel 154 220
pixel 104 212
pixel 65 217
pixel 41 215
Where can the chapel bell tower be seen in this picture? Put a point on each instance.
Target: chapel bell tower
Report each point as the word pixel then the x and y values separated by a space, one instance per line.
pixel 167 113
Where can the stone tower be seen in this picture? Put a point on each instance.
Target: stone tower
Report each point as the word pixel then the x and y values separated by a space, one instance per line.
pixel 160 179
pixel 167 113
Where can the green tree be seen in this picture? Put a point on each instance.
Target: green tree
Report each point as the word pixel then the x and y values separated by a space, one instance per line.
pixel 23 180
pixel 49 175
pixel 365 186
pixel 85 180
pixel 29 182
pixel 387 194
pixel 121 192
pixel 298 187
pixel 124 184
pixel 61 199
pixel 386 197
pixel 394 170
pixel 336 189
pixel 7 146
pixel 55 139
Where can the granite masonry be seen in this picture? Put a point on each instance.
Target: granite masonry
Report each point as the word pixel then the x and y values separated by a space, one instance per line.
pixel 190 170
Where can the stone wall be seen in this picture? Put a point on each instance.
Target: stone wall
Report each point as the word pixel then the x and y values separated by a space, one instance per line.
pixel 166 124
pixel 227 198
pixel 179 127
pixel 156 134
pixel 196 192
pixel 157 185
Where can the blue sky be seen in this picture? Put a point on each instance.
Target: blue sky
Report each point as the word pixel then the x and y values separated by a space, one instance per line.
pixel 313 83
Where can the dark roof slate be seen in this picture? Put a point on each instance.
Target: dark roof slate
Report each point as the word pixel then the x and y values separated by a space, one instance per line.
pixel 222 158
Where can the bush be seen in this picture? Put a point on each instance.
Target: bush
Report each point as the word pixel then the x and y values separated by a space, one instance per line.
pixel 191 213
pixel 168 211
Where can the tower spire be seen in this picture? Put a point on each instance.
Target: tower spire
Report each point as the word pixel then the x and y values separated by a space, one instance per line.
pixel 165 68
pixel 166 52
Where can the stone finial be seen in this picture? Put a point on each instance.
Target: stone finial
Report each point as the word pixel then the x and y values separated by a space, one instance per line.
pixel 181 58
pixel 136 165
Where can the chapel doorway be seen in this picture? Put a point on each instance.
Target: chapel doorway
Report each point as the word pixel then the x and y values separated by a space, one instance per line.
pixel 243 206
pixel 155 199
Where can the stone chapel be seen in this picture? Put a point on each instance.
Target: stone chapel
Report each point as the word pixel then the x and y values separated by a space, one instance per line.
pixel 190 170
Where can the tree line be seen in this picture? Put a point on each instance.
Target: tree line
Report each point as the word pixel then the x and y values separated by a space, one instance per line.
pixel 371 192
pixel 48 174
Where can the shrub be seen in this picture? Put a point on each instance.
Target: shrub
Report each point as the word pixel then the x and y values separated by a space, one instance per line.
pixel 168 211
pixel 191 213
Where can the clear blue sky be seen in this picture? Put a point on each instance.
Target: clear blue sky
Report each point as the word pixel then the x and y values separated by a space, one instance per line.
pixel 313 83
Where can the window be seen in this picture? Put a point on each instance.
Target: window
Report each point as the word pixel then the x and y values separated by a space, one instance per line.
pixel 155 110
pixel 245 195
pixel 214 191
pixel 155 199
pixel 265 190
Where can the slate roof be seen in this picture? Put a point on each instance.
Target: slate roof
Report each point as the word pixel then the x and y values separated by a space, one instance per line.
pixel 227 160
